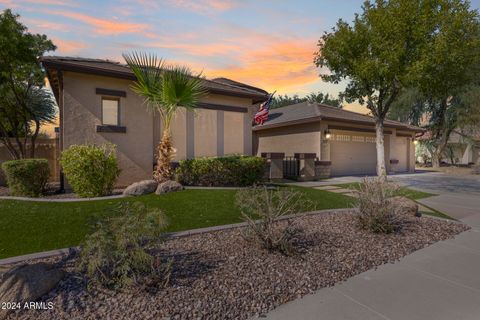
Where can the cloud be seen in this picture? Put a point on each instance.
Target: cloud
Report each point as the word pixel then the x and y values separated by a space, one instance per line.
pixel 278 66
pixel 205 6
pixel 41 2
pixel 68 47
pixel 103 26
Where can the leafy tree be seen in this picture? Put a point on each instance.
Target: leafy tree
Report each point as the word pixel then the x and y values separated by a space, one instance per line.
pixel 286 100
pixel 376 54
pixel 166 89
pixel 25 105
pixel 448 67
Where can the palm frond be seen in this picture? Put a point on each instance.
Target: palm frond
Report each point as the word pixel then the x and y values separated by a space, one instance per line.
pixel 148 69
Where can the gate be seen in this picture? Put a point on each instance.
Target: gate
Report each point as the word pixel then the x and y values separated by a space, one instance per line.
pixel 291 167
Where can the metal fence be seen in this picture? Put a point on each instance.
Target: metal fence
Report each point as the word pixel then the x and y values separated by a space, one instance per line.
pixel 291 168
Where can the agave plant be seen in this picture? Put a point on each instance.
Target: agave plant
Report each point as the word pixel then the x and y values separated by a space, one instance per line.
pixel 166 88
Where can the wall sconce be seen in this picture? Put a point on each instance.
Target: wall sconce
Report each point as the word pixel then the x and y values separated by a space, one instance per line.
pixel 415 141
pixel 328 135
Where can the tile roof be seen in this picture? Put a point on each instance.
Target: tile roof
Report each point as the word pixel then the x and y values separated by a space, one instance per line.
pixel 116 69
pixel 308 112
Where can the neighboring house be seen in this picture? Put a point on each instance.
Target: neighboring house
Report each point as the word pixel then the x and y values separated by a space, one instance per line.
pixel 343 140
pixel 97 106
pixel 463 148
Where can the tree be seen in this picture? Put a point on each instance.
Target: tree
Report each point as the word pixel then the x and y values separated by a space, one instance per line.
pixel 286 100
pixel 24 103
pixel 448 67
pixel 166 89
pixel 376 55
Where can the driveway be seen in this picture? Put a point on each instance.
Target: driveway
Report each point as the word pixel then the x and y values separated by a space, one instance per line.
pixel 440 282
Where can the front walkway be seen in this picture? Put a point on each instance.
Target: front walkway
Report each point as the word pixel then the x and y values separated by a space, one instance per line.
pixel 440 282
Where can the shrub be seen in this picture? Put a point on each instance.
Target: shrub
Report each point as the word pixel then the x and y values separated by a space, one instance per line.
pixel 27 177
pixel 90 170
pixel 262 208
pixel 222 171
pixel 377 212
pixel 117 255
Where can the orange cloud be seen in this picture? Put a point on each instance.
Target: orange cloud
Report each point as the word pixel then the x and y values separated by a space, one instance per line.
pixel 68 47
pixel 103 26
pixel 279 66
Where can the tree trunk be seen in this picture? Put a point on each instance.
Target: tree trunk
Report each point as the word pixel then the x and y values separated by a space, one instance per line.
pixel 33 139
pixel 381 170
pixel 165 153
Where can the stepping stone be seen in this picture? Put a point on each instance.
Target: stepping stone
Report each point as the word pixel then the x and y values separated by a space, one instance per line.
pixel 351 194
pixel 327 188
pixel 341 190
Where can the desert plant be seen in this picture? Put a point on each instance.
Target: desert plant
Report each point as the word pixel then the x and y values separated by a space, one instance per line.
pixel 165 89
pixel 27 177
pixel 117 254
pixel 376 211
pixel 232 170
pixel 91 170
pixel 262 209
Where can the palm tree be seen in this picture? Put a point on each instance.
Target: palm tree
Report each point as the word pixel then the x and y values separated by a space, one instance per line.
pixel 166 88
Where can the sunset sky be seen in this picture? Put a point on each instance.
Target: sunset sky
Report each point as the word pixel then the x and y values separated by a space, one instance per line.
pixel 269 44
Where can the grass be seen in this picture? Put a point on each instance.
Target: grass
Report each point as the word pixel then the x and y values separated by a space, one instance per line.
pixel 28 226
pixel 403 191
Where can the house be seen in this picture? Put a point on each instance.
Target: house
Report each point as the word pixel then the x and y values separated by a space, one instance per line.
pixel 97 106
pixel 340 140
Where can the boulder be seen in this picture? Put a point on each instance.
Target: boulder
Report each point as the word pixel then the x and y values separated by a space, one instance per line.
pixel 27 283
pixel 406 206
pixel 140 188
pixel 169 186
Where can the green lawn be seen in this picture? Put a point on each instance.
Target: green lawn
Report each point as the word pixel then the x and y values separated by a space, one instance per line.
pixel 27 227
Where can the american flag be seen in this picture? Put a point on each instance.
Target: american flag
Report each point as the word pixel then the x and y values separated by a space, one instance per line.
pixel 262 114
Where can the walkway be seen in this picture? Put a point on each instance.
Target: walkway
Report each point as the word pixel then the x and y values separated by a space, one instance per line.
pixel 440 282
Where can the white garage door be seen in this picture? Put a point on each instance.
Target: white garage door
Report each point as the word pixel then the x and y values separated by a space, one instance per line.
pixel 402 152
pixel 353 154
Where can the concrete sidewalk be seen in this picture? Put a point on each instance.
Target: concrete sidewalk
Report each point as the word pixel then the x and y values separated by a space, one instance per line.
pixel 440 282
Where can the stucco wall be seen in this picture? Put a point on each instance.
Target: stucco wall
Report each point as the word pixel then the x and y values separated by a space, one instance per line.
pixel 303 138
pixel 200 133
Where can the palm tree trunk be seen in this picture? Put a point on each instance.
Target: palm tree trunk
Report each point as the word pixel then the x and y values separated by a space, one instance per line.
pixel 165 152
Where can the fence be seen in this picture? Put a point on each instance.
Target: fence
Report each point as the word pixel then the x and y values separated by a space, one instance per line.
pixel 45 148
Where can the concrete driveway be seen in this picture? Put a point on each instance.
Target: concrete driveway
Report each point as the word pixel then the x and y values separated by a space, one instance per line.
pixel 440 282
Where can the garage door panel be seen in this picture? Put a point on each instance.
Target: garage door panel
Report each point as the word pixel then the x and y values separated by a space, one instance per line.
pixel 352 155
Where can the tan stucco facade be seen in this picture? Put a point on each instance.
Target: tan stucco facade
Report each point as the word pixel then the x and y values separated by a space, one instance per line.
pixel 204 132
pixel 351 148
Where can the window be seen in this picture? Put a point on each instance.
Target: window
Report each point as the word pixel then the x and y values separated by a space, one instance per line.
pixel 110 111
pixel 343 137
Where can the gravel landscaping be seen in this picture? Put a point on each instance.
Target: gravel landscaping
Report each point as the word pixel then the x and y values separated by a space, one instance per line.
pixel 219 275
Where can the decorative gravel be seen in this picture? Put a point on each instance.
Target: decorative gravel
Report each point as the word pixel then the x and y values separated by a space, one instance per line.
pixel 219 275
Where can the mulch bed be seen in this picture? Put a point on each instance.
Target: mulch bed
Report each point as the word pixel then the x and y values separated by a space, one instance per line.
pixel 219 275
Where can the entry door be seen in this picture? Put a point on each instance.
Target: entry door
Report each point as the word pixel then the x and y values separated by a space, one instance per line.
pixel 402 152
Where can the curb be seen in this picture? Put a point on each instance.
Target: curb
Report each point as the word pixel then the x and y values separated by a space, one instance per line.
pixel 178 234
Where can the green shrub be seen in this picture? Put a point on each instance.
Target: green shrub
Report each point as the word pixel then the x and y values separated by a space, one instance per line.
pixel 27 177
pixel 262 209
pixel 221 171
pixel 118 253
pixel 90 170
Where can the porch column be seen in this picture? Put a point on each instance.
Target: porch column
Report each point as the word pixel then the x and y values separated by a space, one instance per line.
pixel 274 169
pixel 306 163
pixel 392 160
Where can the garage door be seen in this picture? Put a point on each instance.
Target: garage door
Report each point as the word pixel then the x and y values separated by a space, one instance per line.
pixel 402 152
pixel 353 154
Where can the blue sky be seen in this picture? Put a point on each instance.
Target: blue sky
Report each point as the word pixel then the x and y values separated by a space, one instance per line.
pixel 269 44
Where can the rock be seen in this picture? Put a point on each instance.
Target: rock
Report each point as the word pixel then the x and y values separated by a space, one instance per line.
pixel 406 206
pixel 140 188
pixel 169 186
pixel 27 283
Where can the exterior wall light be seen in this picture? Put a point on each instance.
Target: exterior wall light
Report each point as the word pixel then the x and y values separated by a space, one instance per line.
pixel 415 141
pixel 328 135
